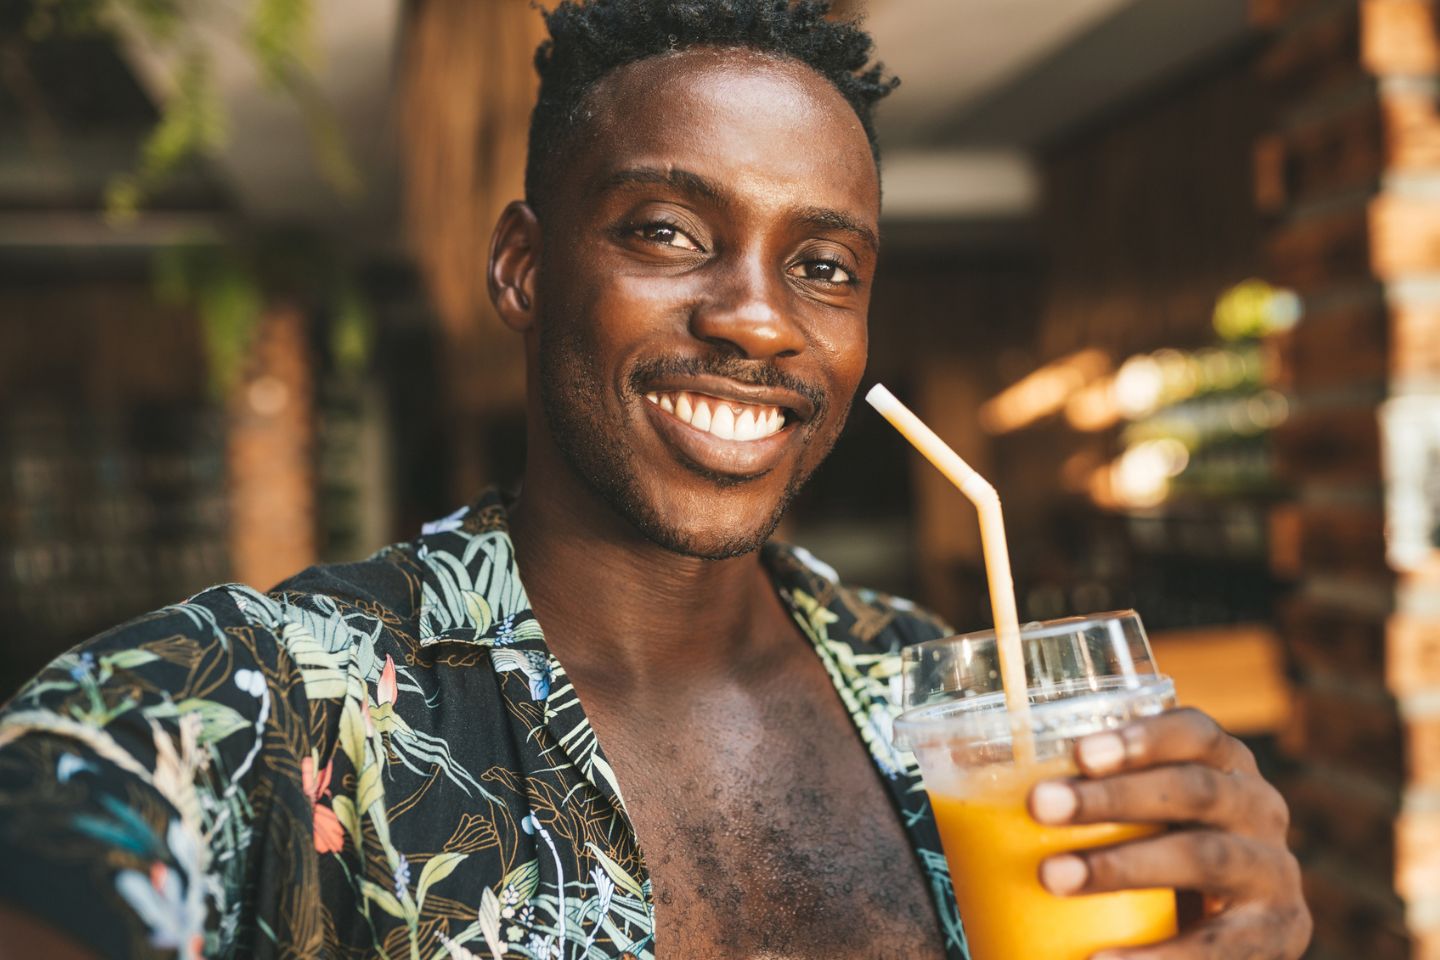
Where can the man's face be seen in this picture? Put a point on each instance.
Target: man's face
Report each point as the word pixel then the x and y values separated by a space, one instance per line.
pixel 702 292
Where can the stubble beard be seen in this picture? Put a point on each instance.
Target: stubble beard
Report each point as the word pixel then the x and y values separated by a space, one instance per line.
pixel 604 461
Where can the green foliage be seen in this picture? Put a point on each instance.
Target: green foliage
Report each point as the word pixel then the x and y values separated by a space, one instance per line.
pixel 279 32
pixel 228 297
pixel 352 331
pixel 279 36
pixel 192 123
pixel 229 285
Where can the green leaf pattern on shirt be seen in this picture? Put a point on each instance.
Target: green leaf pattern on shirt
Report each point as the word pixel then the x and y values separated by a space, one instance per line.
pixel 380 759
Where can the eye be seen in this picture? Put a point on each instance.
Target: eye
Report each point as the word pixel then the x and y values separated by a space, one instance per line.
pixel 824 270
pixel 667 234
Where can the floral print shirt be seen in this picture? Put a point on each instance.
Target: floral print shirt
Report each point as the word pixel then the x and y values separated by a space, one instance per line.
pixel 379 759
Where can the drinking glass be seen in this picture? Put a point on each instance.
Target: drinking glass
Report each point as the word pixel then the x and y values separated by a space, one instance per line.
pixel 979 761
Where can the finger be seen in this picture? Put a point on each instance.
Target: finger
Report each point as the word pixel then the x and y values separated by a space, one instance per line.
pixel 1250 933
pixel 1179 793
pixel 1211 861
pixel 1178 736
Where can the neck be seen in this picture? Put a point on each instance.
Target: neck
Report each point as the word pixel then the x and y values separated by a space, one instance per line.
pixel 606 595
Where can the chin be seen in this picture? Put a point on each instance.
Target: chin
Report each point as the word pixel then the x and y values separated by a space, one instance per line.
pixel 711 538
pixel 711 518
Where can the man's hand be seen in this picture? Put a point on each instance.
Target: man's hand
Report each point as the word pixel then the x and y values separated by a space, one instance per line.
pixel 1228 841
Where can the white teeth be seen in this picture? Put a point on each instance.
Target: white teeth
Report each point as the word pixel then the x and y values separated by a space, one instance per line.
pixel 723 426
pixel 718 418
pixel 745 428
pixel 701 419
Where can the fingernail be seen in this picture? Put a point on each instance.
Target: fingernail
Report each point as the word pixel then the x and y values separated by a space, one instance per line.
pixel 1053 802
pixel 1063 875
pixel 1102 753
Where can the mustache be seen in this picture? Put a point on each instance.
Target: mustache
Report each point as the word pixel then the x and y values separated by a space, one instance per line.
pixel 754 373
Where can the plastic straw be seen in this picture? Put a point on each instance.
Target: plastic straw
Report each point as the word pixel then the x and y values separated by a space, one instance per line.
pixel 993 545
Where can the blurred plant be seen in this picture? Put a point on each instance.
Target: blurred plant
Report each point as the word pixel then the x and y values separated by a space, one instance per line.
pixel 278 35
pixel 228 297
pixel 229 287
pixel 352 329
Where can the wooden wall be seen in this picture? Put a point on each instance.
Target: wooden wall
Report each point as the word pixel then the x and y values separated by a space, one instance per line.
pixel 1346 176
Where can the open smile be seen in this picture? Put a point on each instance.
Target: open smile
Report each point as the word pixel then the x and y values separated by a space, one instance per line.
pixel 726 419
pixel 725 435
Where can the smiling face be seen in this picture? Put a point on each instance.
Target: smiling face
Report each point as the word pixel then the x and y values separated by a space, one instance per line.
pixel 700 298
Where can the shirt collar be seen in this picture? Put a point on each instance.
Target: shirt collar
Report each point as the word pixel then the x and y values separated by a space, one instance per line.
pixel 472 592
pixel 470 588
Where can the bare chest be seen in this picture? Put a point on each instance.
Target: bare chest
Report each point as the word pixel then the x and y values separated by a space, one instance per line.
pixel 768 833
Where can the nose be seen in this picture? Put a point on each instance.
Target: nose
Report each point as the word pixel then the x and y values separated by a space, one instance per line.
pixel 742 313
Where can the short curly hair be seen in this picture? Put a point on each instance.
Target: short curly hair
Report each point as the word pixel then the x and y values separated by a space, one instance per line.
pixel 589 40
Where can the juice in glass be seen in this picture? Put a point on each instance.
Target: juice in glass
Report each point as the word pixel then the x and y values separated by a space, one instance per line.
pixel 978 782
pixel 994 849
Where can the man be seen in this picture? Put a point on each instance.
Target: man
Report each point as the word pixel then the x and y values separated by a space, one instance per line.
pixel 391 758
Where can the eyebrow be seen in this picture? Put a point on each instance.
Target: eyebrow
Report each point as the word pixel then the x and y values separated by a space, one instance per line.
pixel 681 180
pixel 828 219
pixel 686 181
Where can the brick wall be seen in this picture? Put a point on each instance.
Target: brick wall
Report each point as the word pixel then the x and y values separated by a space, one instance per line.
pixel 270 454
pixel 1348 177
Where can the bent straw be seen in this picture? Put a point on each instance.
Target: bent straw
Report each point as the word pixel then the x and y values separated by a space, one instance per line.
pixel 993 545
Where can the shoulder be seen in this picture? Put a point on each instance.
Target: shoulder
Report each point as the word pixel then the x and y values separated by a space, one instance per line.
pixel 122 759
pixel 310 628
pixel 388 581
pixel 346 604
pixel 335 623
pixel 868 618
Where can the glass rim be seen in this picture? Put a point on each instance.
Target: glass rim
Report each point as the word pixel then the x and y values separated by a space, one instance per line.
pixel 1033 628
pixel 986 714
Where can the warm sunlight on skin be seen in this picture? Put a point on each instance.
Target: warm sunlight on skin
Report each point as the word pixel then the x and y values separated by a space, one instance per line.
pixel 698 248
pixel 710 249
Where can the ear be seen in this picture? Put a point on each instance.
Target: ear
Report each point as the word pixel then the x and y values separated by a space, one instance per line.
pixel 514 258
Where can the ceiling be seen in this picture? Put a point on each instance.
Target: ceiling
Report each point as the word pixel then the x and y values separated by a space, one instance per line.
pixel 985 84
pixel 1141 46
pixel 948 53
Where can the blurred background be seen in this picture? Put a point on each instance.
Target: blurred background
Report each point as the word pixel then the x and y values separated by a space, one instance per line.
pixel 1167 271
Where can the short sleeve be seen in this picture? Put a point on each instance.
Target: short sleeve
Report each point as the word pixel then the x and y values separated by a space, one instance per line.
pixel 141 772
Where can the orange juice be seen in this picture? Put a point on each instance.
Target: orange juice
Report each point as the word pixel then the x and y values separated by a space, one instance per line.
pixel 994 849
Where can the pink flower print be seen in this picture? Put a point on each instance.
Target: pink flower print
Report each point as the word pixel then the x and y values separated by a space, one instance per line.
pixel 365 712
pixel 329 834
pixel 385 690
